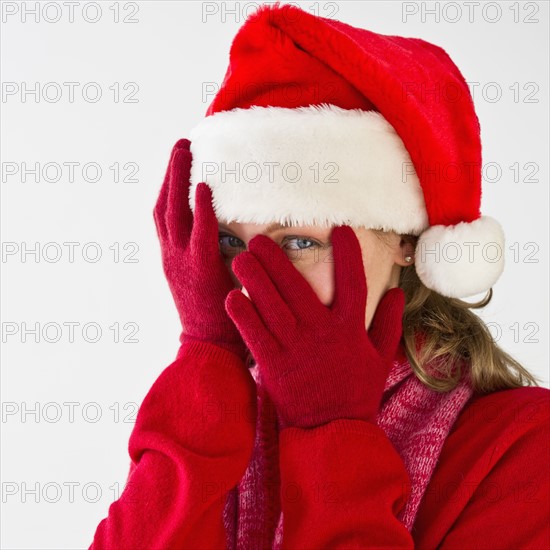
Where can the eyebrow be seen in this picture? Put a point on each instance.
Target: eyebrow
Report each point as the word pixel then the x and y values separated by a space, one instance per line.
pixel 269 229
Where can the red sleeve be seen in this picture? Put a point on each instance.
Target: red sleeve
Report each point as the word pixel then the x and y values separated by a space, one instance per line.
pixel 510 506
pixel 191 444
pixel 342 485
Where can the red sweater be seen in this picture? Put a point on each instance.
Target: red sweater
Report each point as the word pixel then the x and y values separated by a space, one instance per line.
pixel 194 436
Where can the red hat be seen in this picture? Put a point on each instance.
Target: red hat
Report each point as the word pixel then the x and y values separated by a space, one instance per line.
pixel 321 123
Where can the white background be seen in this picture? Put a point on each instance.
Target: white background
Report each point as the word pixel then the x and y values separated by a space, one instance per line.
pixel 171 50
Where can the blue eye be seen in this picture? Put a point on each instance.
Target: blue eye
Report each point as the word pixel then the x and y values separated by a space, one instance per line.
pixel 231 241
pixel 300 242
pixel 230 245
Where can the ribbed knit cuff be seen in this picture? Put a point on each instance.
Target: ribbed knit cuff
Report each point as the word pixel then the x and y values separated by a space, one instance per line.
pixel 209 352
pixel 341 426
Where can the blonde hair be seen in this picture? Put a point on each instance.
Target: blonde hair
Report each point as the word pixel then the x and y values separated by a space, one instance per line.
pixel 454 332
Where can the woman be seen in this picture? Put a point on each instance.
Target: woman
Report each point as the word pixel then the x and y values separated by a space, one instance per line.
pixel 379 412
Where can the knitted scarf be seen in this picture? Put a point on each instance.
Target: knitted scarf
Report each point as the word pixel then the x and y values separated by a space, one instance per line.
pixel 415 418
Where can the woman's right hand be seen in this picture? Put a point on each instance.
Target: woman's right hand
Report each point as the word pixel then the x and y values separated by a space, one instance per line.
pixel 197 275
pixel 318 363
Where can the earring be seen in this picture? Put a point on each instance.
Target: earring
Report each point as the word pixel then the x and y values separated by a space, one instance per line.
pixel 408 258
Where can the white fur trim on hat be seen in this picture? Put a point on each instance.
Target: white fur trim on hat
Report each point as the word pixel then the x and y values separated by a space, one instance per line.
pixel 463 259
pixel 316 165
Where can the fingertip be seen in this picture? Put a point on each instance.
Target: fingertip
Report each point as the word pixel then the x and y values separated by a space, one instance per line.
pixel 235 304
pixel 230 300
pixel 344 238
pixel 240 262
pixel 182 154
pixel 393 299
pixel 398 296
pixel 260 242
pixel 341 231
pixel 203 191
pixel 182 144
pixel 230 294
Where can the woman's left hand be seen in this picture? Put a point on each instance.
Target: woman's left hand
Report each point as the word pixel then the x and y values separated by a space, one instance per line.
pixel 318 363
pixel 196 273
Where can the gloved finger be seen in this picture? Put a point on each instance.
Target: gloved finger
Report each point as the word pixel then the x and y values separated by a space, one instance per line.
pixel 289 282
pixel 159 212
pixel 387 324
pixel 204 235
pixel 179 218
pixel 350 284
pixel 244 315
pixel 275 313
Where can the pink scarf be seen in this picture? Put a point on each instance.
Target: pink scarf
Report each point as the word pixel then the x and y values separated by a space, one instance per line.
pixel 415 418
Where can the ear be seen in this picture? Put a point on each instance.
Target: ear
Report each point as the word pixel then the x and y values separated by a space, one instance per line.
pixel 405 249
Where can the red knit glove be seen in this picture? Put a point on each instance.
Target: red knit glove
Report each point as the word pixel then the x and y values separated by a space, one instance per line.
pixel 197 275
pixel 318 363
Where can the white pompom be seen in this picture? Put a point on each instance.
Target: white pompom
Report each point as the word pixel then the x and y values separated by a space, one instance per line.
pixel 463 259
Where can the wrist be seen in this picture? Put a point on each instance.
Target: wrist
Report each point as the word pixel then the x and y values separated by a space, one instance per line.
pixel 309 398
pixel 219 353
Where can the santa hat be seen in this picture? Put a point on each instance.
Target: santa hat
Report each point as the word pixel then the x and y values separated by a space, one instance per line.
pixel 321 123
